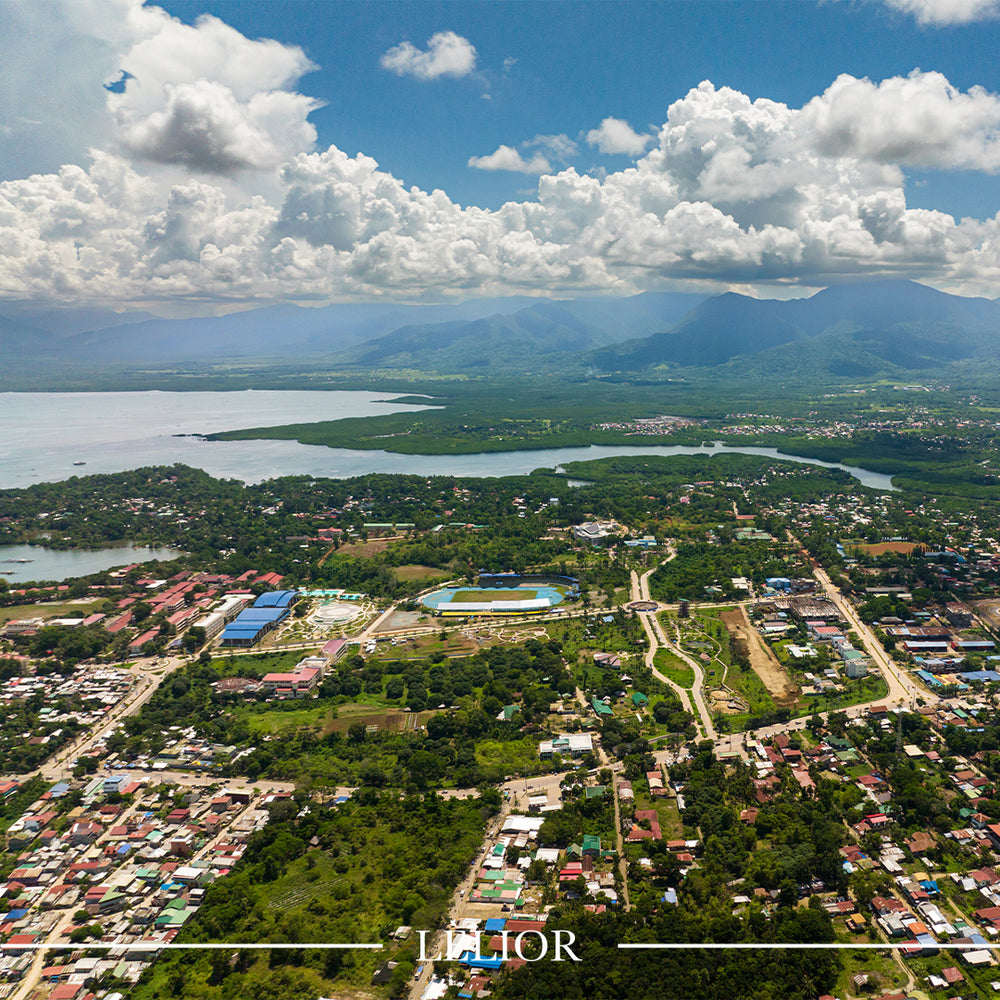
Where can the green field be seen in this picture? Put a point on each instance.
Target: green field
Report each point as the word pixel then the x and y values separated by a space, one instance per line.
pixel 66 609
pixel 674 668
pixel 279 721
pixel 471 596
pixel 420 573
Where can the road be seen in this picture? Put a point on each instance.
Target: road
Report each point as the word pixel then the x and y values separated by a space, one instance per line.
pixel 692 701
pixel 150 677
pixel 902 690
pixel 34 974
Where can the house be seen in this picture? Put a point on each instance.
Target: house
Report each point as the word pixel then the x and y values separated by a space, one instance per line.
pixel 572 744
pixel 611 660
pixel 920 842
pixel 84 833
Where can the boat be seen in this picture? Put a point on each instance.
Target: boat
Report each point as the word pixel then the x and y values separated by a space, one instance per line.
pixel 79 463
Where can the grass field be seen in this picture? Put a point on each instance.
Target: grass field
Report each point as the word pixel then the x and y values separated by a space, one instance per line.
pixel 67 609
pixel 674 668
pixel 470 596
pixel 513 758
pixel 370 548
pixel 420 573
pixel 260 663
pixel 284 721
pixel 332 719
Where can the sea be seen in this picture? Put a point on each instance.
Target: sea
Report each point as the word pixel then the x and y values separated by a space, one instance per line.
pixel 51 436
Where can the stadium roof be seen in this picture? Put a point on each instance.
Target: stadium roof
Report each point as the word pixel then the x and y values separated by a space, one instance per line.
pixel 533 605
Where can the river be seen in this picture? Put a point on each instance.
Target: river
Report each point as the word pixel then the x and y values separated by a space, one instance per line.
pixel 52 436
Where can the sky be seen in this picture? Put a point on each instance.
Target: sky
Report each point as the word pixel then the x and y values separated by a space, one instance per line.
pixel 209 155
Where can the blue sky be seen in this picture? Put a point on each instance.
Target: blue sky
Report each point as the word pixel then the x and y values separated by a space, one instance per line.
pixel 578 63
pixel 292 150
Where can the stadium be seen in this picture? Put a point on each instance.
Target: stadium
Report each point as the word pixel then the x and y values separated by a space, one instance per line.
pixel 502 595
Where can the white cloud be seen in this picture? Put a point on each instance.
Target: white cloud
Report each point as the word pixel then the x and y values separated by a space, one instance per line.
pixel 200 95
pixel 447 54
pixel 202 126
pixel 508 158
pixel 941 12
pixel 561 146
pixel 616 136
pixel 734 191
pixel 917 120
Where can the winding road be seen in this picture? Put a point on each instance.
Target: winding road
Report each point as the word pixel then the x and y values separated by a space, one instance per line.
pixel 692 700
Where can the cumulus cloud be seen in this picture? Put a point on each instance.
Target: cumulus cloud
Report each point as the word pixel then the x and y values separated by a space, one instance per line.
pixel 200 95
pixel 204 127
pixel 508 158
pixel 733 190
pixel 941 12
pixel 616 136
pixel 917 120
pixel 447 54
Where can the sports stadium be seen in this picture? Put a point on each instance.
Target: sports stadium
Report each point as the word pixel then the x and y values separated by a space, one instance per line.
pixel 515 595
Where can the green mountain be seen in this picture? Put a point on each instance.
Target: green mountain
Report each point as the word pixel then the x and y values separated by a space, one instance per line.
pixel 545 336
pixel 859 330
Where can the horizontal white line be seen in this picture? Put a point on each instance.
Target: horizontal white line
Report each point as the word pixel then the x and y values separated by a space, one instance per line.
pixel 789 946
pixel 161 945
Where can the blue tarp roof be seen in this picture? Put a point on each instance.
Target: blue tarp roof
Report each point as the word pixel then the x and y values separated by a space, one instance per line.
pixel 495 924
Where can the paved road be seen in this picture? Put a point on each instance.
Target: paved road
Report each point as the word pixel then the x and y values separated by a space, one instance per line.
pixel 150 676
pixel 693 700
pixel 902 688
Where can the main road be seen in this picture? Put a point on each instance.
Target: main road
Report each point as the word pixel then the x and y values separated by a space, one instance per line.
pixel 902 689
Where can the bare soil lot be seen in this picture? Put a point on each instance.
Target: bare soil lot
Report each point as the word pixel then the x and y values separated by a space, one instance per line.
pixel 880 547
pixel 765 664
pixel 369 548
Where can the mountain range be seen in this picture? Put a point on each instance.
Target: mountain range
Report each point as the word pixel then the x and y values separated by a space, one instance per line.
pixel 864 329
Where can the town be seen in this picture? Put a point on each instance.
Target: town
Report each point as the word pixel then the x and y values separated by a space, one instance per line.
pixel 727 699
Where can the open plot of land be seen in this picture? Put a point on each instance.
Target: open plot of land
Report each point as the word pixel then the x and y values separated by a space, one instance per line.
pixel 334 720
pixel 369 548
pixel 674 668
pixel 66 609
pixel 454 644
pixel 879 547
pixel 392 719
pixel 987 610
pixel 780 686
pixel 285 720
pixel 420 573
pixel 401 619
